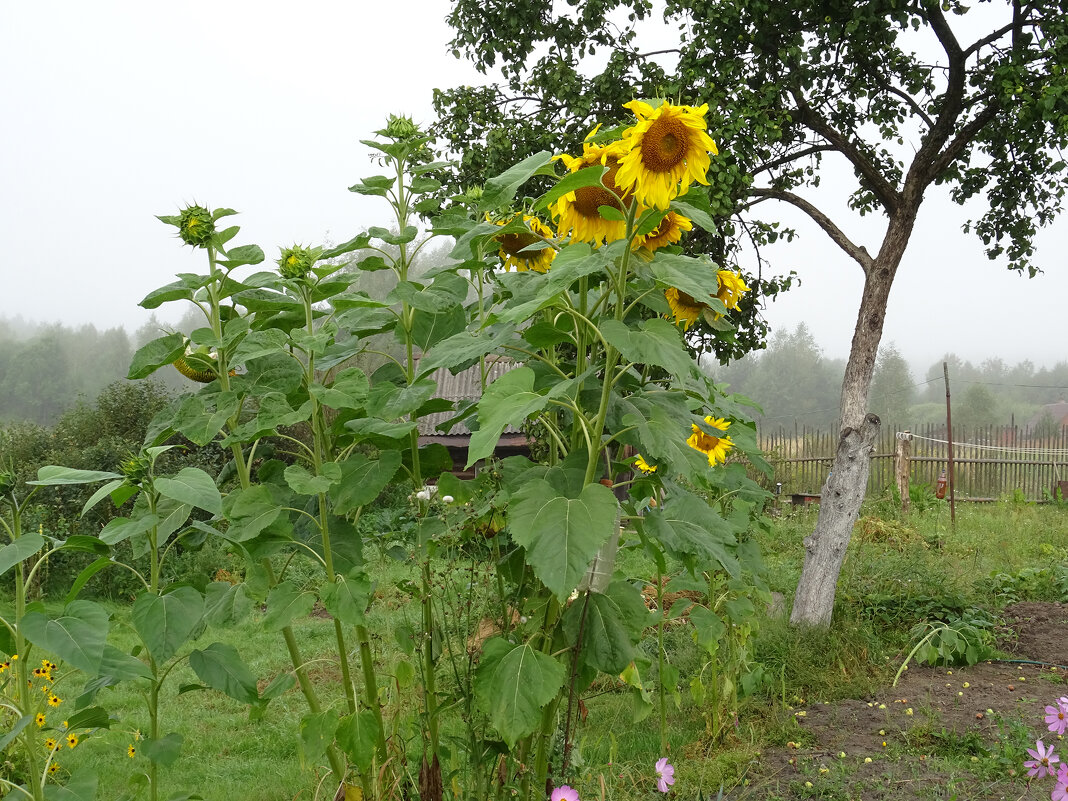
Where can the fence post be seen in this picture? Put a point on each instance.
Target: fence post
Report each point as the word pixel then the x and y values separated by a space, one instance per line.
pixel 902 469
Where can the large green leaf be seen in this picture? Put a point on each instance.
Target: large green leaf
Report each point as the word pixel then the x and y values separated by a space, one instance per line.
pixel 303 482
pixel 81 786
pixel 696 277
pixel 688 527
pixel 656 342
pixel 220 667
pixel 225 603
pixel 250 511
pixel 22 548
pixel 362 479
pixel 430 328
pixel 561 535
pixel 119 529
pixel 164 622
pixel 52 475
pixel 164 750
pixel 201 417
pixel 316 733
pixel 512 684
pixel 357 734
pixel 501 189
pixel 606 643
pixel 16 730
pixel 388 401
pixel 194 487
pixel 508 401
pixel 464 347
pixel 347 597
pixel 285 602
pixel 348 390
pixel 156 354
pixel 77 636
pixel 121 666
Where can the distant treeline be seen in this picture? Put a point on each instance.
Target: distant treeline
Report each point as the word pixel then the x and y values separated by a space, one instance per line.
pixel 793 380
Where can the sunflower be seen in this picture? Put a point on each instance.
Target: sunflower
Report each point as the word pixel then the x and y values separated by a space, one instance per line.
pixel 513 247
pixel 39 719
pixel 715 448
pixel 131 752
pixel 577 211
pixel 50 744
pixel 731 288
pixel 54 700
pixel 666 151
pixel 684 307
pixel 53 769
pixel 72 739
pixel 668 232
pixel 643 465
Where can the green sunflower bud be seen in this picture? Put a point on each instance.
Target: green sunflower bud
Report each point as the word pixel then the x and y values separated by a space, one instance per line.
pixel 401 128
pixel 135 467
pixel 296 262
pixel 7 482
pixel 195 226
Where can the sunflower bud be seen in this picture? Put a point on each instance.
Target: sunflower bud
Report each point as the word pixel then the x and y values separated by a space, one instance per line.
pixel 195 226
pixel 7 482
pixel 401 128
pixel 296 262
pixel 135 467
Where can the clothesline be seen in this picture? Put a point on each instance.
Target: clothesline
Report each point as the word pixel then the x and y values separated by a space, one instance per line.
pixel 1036 451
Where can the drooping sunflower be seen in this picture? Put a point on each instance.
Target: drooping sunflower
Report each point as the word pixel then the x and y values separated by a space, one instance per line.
pixel 684 307
pixel 513 247
pixel 715 448
pixel 731 288
pixel 666 151
pixel 643 465
pixel 577 211
pixel 669 232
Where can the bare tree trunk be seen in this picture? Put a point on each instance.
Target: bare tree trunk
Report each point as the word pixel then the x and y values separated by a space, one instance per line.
pixel 825 548
pixel 844 491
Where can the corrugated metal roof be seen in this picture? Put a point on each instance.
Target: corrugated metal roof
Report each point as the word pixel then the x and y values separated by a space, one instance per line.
pixel 464 386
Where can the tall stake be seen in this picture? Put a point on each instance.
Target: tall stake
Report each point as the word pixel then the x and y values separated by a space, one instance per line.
pixel 949 441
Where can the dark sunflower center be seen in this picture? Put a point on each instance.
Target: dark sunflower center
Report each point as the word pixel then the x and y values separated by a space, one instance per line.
pixel 663 230
pixel 687 300
pixel 664 144
pixel 512 244
pixel 588 198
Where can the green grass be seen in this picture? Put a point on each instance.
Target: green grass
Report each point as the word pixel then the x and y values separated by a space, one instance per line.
pixel 925 568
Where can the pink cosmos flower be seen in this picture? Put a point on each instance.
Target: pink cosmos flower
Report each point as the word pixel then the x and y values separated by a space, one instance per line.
pixel 665 773
pixel 1057 717
pixel 564 793
pixel 1042 764
pixel 1060 792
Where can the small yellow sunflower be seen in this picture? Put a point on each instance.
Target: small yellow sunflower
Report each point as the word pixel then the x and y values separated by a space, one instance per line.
pixel 39 719
pixel 643 465
pixel 72 740
pixel 577 211
pixel 715 448
pixel 731 288
pixel 131 752
pixel 5 665
pixel 513 247
pixel 54 700
pixel 53 769
pixel 50 744
pixel 669 232
pixel 667 151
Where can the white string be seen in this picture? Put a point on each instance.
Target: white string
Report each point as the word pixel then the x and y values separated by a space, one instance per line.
pixel 1038 451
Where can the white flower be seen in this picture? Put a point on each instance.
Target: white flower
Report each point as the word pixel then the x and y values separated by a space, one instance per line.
pixel 447 499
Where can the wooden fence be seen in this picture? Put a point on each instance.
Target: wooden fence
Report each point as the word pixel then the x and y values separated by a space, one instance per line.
pixel 989 463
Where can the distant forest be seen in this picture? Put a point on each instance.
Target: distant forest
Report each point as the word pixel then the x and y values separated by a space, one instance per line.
pixel 47 369
pixel 793 381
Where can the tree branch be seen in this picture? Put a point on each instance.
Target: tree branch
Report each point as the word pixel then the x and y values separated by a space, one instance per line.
pixel 963 138
pixel 809 151
pixel 884 191
pixel 858 253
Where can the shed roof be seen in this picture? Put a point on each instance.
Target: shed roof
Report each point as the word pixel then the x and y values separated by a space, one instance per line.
pixel 465 385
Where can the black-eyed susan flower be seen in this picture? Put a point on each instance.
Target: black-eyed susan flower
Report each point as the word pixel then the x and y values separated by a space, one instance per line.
pixel 72 740
pixel 53 769
pixel 578 212
pixel 54 700
pixel 715 448
pixel 51 744
pixel 5 665
pixel 667 150
pixel 514 246
pixel 643 465
pixel 39 719
pixel 669 232
pixel 131 752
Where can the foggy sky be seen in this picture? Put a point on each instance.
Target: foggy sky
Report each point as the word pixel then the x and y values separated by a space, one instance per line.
pixel 115 112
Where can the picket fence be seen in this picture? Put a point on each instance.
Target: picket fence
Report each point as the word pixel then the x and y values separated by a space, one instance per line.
pixel 989 463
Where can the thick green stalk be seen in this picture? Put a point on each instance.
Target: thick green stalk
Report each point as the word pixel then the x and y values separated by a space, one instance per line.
pixel 660 659
pixel 23 668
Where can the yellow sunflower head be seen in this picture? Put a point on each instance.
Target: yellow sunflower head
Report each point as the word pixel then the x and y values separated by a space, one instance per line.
pixel 577 211
pixel 40 719
pixel 50 744
pixel 513 247
pixel 731 288
pixel 685 308
pixel 669 232
pixel 643 465
pixel 715 448
pixel 72 740
pixel 667 150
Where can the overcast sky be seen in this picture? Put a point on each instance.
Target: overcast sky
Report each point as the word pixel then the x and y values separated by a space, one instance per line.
pixel 114 112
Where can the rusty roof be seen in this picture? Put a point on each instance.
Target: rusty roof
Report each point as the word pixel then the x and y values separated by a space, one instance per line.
pixel 465 385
